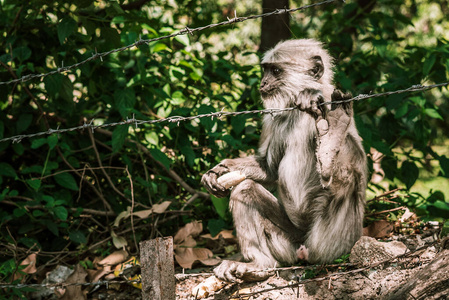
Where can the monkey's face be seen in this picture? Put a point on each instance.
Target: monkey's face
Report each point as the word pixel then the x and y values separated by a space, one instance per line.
pixel 272 79
pixel 281 82
pixel 291 67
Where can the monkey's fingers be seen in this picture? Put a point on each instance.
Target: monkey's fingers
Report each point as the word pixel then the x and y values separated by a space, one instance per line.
pixel 338 96
pixel 209 181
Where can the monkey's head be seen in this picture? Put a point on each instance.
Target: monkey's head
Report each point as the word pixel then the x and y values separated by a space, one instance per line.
pixel 292 66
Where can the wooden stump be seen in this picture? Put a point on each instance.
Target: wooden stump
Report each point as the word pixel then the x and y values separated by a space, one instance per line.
pixel 158 278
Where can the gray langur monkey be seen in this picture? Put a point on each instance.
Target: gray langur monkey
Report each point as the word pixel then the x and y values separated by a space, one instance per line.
pixel 311 158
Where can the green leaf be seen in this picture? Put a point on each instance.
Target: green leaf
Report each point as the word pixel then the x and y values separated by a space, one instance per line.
pixel 7 170
pixel 65 28
pixel 125 100
pixel 161 157
pixel 157 47
pixel 215 226
pixel 238 123
pixel 38 213
pixel 28 242
pixel 22 53
pixel 118 137
pixel 401 111
pixel 78 237
pixel 189 154
pixel 183 39
pixel 67 181
pixel 66 92
pixel 437 195
pixel 61 213
pixel 433 113
pixel 208 123
pixel 53 84
pixel 23 122
pixel 428 64
pixel 444 165
pixel 177 98
pixel 111 36
pixel 410 173
pixel 38 143
pixel 152 137
pixel 34 183
pixel 52 227
pixel 52 141
pixel 221 205
pixel 439 209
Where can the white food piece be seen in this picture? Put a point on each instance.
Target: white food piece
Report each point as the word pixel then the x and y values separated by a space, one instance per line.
pixel 231 179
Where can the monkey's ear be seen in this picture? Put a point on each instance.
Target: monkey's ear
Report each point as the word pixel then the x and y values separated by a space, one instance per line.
pixel 318 68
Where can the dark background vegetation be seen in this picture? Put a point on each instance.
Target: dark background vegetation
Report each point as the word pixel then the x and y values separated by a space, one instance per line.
pixel 62 193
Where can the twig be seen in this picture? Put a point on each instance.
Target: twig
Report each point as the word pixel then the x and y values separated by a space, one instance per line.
pixel 132 208
pixel 92 139
pixel 386 211
pixel 378 197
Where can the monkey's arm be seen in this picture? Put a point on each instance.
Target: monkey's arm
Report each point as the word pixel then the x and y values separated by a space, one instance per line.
pixel 252 167
pixel 340 156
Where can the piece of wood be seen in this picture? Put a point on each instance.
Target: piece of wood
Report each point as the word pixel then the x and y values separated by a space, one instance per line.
pixel 158 272
pixel 432 282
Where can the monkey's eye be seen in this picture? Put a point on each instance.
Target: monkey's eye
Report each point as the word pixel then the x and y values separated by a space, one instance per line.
pixel 276 71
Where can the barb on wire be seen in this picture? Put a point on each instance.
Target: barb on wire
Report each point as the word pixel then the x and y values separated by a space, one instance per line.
pixel 184 31
pixel 219 114
pixel 413 88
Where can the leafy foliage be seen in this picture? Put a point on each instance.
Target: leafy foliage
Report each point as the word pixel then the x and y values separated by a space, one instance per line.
pixel 62 192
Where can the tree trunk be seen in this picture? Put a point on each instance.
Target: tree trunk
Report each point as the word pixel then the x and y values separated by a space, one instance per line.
pixel 275 28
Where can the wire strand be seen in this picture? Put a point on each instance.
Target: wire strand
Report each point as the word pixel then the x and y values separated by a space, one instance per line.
pixel 178 119
pixel 184 31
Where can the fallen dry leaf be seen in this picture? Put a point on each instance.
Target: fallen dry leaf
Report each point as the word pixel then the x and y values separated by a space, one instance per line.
pixel 378 229
pixel 211 284
pixel 226 234
pixel 122 215
pixel 194 229
pixel 155 209
pixel 187 256
pixel 30 263
pixel 118 241
pixel 114 258
pixel 74 292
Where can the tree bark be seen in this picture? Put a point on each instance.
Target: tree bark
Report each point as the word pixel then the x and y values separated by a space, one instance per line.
pixel 275 28
pixel 432 282
pixel 158 278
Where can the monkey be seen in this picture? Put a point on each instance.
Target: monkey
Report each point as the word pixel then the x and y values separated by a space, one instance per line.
pixel 304 193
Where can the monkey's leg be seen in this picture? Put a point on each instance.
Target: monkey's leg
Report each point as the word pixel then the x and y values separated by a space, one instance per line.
pixel 265 234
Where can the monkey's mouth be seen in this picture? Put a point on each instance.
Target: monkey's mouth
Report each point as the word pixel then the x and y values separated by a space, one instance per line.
pixel 267 93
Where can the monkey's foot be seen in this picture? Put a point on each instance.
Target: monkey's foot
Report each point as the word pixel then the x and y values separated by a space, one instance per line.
pixel 332 132
pixel 232 271
pixel 303 253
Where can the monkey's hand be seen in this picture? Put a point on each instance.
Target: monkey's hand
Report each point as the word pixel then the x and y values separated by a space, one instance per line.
pixel 209 180
pixel 233 270
pixel 307 101
pixel 332 130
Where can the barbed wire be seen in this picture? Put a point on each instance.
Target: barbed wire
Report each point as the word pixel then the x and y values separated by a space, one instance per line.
pixel 184 31
pixel 183 276
pixel 220 114
pixel 64 284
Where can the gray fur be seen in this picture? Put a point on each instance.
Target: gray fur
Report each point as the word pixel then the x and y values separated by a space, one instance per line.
pixel 324 214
